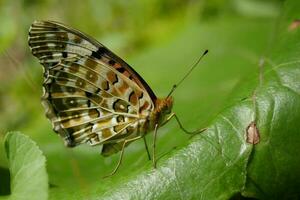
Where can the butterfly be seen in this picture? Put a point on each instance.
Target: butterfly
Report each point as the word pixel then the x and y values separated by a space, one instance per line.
pixel 92 96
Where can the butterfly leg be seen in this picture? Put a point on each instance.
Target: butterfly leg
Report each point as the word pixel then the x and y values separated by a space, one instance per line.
pixel 121 155
pixel 181 127
pixel 146 147
pixel 154 146
pixel 184 130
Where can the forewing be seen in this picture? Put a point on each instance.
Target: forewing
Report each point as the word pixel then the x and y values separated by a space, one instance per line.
pixel 71 42
pixel 89 95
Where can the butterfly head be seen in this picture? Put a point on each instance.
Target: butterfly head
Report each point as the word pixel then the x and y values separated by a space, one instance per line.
pixel 163 109
pixel 165 105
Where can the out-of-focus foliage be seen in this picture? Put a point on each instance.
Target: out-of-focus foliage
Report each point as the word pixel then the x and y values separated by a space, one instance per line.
pixel 29 179
pixel 160 39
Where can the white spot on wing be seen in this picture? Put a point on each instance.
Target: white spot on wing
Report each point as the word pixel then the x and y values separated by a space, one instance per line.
pixel 122 106
pixel 57 54
pixel 51 45
pixel 50 35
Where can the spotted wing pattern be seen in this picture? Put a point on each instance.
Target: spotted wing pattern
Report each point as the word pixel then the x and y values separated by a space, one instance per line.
pixel 90 94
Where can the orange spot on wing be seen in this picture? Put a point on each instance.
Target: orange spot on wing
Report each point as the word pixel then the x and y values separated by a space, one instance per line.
pixel 114 92
pixel 123 87
pixel 126 73
pixel 106 133
pixel 144 107
pixel 90 63
pixel 111 76
pixel 117 65
pixel 133 98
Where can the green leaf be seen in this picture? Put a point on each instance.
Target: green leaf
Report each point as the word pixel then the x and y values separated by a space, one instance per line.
pixel 29 179
pixel 219 163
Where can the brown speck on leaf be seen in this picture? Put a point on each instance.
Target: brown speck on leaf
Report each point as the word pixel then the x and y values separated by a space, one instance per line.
pixel 294 25
pixel 253 136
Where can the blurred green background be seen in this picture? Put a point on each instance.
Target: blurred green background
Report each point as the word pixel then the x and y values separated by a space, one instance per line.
pixel 160 39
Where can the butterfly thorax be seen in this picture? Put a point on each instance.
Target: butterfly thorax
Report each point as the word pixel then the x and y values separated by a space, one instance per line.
pixel 163 108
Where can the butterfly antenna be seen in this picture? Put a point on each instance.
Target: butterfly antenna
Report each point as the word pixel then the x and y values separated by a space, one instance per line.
pixel 188 73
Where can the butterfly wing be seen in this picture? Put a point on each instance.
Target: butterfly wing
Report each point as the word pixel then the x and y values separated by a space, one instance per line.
pixel 90 94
